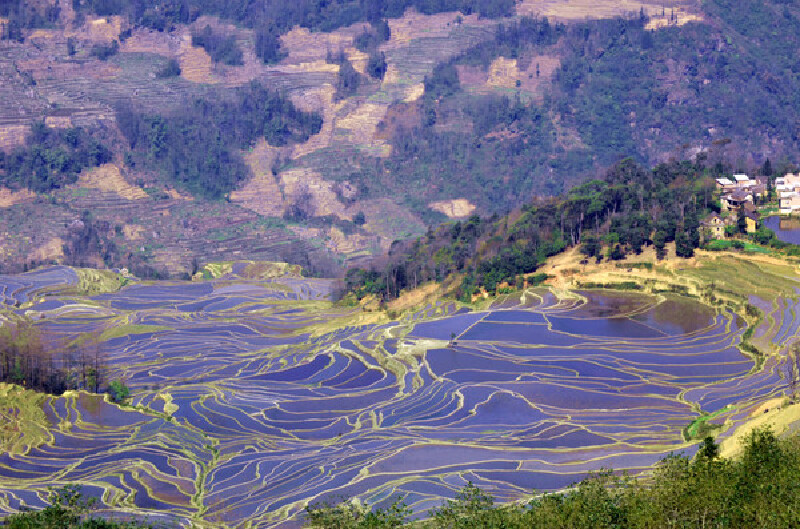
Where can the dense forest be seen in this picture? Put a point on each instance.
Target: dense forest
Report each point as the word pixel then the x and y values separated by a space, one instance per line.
pixel 198 147
pixel 51 158
pixel 620 90
pixel 629 208
pixel 758 489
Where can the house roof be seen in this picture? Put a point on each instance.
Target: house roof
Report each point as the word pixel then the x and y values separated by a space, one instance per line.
pixel 713 220
pixel 724 182
pixel 741 177
pixel 737 196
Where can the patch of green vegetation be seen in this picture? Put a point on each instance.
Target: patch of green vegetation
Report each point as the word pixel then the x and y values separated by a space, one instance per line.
pixel 639 266
pixel 93 282
pixel 699 428
pixel 119 331
pixel 119 391
pixel 718 245
pixel 623 285
pixel 23 424
pixel 606 218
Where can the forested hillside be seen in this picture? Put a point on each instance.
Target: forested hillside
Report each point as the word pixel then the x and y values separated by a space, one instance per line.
pixel 621 90
pixel 629 208
pixel 198 146
pixel 350 124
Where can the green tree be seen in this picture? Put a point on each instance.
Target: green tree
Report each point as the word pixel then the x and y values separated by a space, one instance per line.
pixel 741 221
pixel 683 245
pixel 660 243
pixel 376 65
pixel 709 450
pixel 119 391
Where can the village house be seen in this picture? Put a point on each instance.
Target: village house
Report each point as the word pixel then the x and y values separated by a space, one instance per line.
pixel 788 189
pixel 738 190
pixel 733 201
pixel 742 180
pixel 752 219
pixel 726 185
pixel 787 182
pixel 713 227
pixel 789 202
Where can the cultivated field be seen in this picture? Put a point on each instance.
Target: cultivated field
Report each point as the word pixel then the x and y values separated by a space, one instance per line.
pixel 253 394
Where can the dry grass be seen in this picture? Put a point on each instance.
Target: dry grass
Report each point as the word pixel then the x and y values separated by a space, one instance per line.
pixel 296 182
pixel 261 193
pixel 102 29
pixel 344 244
pixel 8 197
pixel 775 413
pixel 458 208
pixel 319 99
pixel 109 178
pixel 12 136
pixel 133 232
pixel 174 194
pixel 362 124
pixel 504 74
pixel 400 116
pixel 414 25
pixel 582 9
pixel 388 220
pixel 52 249
pixel 303 46
pixel 196 64
pixel 415 298
pixel 150 41
pixel 682 16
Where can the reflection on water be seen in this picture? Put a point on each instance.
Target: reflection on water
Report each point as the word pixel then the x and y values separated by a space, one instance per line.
pixel 258 412
pixel 786 229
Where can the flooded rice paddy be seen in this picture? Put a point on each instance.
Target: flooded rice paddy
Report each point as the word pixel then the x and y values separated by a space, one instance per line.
pixel 249 399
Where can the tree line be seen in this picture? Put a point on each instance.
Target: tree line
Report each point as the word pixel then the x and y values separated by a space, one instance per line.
pixel 68 508
pixel 28 361
pixel 629 208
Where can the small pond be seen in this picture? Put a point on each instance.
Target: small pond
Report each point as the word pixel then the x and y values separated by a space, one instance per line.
pixel 786 229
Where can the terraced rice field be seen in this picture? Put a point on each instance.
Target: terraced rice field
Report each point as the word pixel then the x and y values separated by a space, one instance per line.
pixel 251 398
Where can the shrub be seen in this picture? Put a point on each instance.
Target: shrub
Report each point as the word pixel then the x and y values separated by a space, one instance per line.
pixel 119 391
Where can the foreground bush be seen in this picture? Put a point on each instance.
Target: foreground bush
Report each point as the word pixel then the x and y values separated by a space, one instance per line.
pixel 759 490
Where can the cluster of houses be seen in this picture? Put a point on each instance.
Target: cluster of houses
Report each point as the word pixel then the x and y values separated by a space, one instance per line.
pixel 788 189
pixel 738 193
